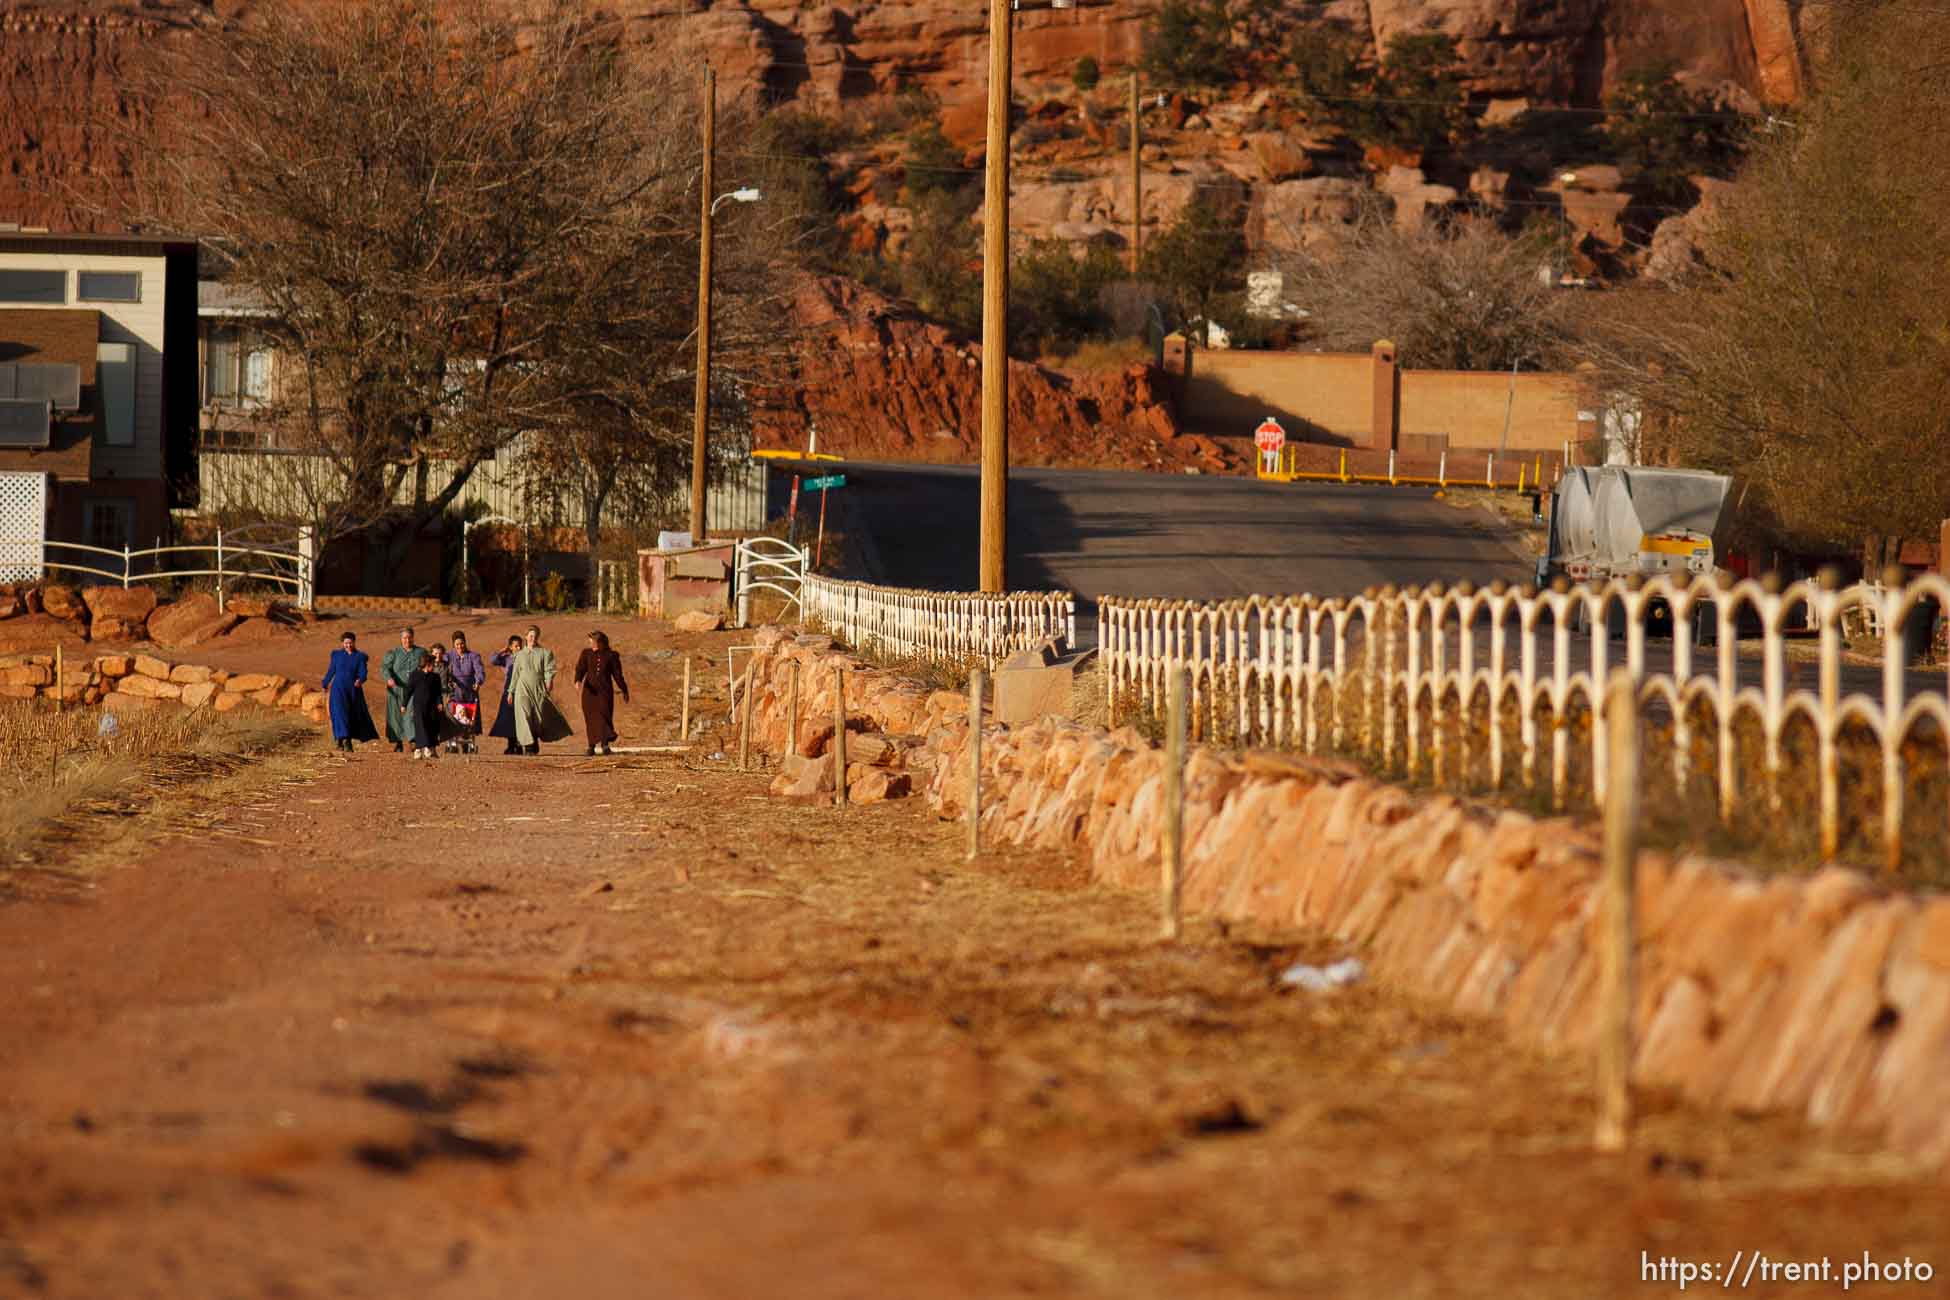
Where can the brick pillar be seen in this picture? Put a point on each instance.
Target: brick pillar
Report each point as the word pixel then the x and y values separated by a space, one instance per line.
pixel 1178 363
pixel 1386 405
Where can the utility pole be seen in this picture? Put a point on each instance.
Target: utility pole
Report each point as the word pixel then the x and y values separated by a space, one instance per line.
pixel 1137 182
pixel 701 429
pixel 995 307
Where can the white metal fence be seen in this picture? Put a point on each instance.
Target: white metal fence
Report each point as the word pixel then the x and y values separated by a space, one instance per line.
pixel 767 564
pixel 938 626
pixel 232 560
pixel 1486 688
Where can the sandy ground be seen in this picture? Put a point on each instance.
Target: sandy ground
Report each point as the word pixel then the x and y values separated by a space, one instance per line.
pixel 516 1027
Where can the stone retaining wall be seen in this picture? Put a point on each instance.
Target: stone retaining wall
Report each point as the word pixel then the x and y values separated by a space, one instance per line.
pixel 1823 995
pixel 126 682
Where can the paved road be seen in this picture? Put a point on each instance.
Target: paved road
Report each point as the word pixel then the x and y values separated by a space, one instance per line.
pixel 1106 532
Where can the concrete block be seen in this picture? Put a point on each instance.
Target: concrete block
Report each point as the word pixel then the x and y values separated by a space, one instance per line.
pixel 1036 683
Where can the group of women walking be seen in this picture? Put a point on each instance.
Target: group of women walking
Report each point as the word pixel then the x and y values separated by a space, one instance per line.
pixel 433 695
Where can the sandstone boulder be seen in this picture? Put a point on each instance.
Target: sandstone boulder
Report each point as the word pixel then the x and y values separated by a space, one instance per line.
pixel 258 629
pixel 292 696
pixel 313 700
pixel 11 605
pixel 878 785
pixel 1278 160
pixel 804 780
pixel 252 683
pixel 150 666
pixel 249 606
pixel 208 631
pixel 151 688
pixel 170 624
pixel 124 604
pixel 124 703
pixel 197 694
pixel 189 674
pixel 105 627
pixel 63 602
pixel 699 620
pixel 26 675
pixel 115 665
pixel 226 702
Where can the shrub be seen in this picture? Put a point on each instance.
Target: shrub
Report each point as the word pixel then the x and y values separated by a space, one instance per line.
pixel 1668 134
pixel 1087 74
pixel 940 267
pixel 933 164
pixel 1056 297
pixel 1418 97
pixel 1196 260
pixel 1188 43
pixel 1327 71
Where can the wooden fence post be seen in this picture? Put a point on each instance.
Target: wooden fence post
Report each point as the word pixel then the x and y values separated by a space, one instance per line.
pixel 792 712
pixel 975 685
pixel 1615 928
pixel 839 737
pixel 684 705
pixel 1173 863
pixel 745 715
pixel 60 676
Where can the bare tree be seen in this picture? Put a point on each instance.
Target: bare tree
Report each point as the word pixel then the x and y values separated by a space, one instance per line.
pixel 471 224
pixel 1810 353
pixel 1460 295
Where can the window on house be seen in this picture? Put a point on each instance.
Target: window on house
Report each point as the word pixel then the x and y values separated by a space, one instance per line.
pixel 236 366
pixel 108 286
pixel 110 524
pixel 33 286
pixel 115 380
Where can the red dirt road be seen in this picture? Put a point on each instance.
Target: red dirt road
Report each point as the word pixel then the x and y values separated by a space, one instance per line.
pixel 622 1028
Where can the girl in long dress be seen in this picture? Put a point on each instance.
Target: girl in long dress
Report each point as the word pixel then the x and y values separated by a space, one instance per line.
pixel 423 699
pixel 599 671
pixel 345 674
pixel 504 714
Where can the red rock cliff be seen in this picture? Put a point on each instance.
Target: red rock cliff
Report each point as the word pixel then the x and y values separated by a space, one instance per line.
pixel 63 62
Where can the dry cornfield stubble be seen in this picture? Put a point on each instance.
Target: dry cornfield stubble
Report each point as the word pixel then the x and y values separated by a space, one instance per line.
pixel 67 766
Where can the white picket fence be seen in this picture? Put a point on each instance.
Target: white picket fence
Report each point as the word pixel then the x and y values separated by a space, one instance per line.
pixel 230 562
pixel 948 627
pixel 1424 680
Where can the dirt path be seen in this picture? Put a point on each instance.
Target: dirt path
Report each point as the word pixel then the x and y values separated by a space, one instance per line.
pixel 624 1027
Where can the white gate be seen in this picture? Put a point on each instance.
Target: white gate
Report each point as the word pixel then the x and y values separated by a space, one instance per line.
pixel 23 526
pixel 767 564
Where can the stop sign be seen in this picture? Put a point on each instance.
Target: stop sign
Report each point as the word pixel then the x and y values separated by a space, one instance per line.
pixel 1269 436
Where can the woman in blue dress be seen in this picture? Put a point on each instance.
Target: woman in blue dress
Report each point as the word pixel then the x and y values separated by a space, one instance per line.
pixel 344 678
pixel 504 716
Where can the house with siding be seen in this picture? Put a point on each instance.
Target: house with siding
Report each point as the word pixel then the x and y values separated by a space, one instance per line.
pixel 98 386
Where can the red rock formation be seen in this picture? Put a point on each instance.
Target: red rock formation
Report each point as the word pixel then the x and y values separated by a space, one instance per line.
pixel 64 76
pixel 877 379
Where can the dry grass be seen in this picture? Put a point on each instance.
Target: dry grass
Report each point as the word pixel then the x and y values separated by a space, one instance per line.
pixel 63 768
pixel 1106 354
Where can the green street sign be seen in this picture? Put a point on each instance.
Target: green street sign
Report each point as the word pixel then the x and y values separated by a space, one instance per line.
pixel 821 484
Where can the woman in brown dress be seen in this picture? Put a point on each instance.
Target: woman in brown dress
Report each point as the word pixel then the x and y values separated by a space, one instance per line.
pixel 599 672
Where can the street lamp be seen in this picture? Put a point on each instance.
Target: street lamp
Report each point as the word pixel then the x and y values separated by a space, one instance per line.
pixel 707 206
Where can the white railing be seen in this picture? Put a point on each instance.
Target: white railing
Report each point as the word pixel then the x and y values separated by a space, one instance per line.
pixel 767 564
pixel 293 568
pixel 1484 688
pixel 949 627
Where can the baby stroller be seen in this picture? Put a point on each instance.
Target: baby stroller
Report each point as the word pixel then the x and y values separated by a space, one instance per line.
pixel 466 717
